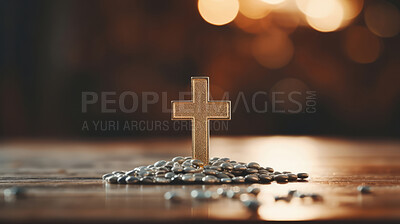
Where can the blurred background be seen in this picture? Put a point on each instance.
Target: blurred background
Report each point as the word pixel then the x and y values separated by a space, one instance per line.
pixel 346 52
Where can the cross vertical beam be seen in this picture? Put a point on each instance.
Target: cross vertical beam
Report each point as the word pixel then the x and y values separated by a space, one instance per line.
pixel 200 110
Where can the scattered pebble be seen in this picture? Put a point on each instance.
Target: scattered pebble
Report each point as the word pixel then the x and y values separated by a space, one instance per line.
pixel 281 178
pixel 13 193
pixel 302 175
pixel 172 196
pixel 253 190
pixel 364 189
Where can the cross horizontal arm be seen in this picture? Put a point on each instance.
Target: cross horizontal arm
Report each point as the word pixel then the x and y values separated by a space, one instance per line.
pixel 219 110
pixel 182 110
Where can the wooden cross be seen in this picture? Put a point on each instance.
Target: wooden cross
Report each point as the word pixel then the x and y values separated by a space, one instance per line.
pixel 200 110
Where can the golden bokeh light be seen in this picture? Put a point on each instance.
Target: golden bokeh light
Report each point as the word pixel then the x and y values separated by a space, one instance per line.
pixel 273 50
pixel 218 12
pixel 330 21
pixel 351 8
pixel 254 9
pixel 317 8
pixel 361 45
pixel 273 2
pixel 382 18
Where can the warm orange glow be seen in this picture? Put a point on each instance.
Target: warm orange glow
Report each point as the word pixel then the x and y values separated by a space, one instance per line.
pixel 254 9
pixel 287 22
pixel 317 8
pixel 361 45
pixel 382 18
pixel 351 8
pixel 252 25
pixel 218 12
pixel 273 50
pixel 273 2
pixel 328 22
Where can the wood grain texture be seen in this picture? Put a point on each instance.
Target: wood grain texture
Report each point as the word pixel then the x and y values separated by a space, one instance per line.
pixel 62 181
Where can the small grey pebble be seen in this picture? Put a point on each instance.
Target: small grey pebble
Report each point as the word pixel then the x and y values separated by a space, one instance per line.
pixel 216 168
pixel 265 178
pixel 364 189
pixel 187 163
pixel 118 172
pixel 188 178
pixel 221 191
pixel 281 178
pixel 239 179
pixel 253 190
pixel 210 179
pixel 282 198
pixel 222 175
pixel 169 164
pixel 269 169
pixel 188 158
pixel 145 173
pixel 302 195
pixel 166 169
pixel 146 180
pixel 252 178
pixel 253 165
pixel 169 175
pixel 226 166
pixel 132 180
pixel 130 173
pixel 302 175
pixel 286 172
pixel 217 163
pixel 239 167
pixel 252 204
pixel 189 170
pixel 210 172
pixel 163 180
pixel 226 180
pixel 172 196
pixel 196 162
pixel 237 173
pixel 160 173
pixel 13 193
pixel 225 159
pixel 106 175
pixel 199 175
pixel 251 170
pixel 178 159
pixel 177 169
pixel 229 174
pixel 292 176
pixel 316 197
pixel 112 179
pixel 263 172
pixel 277 173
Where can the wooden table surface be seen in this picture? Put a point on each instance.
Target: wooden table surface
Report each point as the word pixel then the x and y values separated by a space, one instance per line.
pixel 62 180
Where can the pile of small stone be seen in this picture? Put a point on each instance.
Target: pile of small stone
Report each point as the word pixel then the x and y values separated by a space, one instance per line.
pixel 185 170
